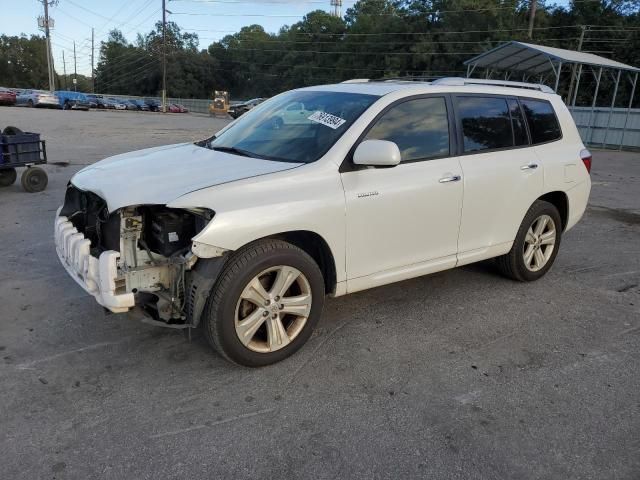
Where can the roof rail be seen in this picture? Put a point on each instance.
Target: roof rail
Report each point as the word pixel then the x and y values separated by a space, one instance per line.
pixel 357 80
pixel 459 81
pixel 407 78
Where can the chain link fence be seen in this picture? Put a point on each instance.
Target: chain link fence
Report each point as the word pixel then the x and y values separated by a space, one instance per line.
pixel 196 105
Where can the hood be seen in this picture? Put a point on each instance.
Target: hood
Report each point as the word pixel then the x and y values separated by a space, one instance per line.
pixel 156 176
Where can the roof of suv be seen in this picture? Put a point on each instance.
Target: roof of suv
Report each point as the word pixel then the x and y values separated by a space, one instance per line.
pixel 384 87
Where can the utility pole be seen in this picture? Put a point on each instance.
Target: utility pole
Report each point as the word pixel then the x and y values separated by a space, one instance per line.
pixel 532 15
pixel 64 69
pixel 164 56
pixel 93 82
pixel 337 8
pixel 583 29
pixel 75 71
pixel 44 23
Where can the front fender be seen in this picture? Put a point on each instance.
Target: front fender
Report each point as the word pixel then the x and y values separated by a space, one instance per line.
pixel 309 198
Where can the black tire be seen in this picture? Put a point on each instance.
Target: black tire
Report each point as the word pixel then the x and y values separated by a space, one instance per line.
pixel 512 264
pixel 12 131
pixel 34 179
pixel 7 177
pixel 218 320
pixel 30 104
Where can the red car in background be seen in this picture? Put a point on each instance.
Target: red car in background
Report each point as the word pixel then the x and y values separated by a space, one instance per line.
pixel 177 108
pixel 7 97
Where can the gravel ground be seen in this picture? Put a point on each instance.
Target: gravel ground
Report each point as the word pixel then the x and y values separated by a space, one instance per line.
pixel 461 374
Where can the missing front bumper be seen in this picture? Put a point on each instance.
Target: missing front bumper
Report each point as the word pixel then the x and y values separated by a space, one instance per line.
pixel 98 276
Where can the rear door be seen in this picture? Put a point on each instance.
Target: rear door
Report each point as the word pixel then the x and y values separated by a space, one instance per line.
pixel 502 174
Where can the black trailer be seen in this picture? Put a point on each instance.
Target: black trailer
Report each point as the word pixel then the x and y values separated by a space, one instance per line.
pixel 22 149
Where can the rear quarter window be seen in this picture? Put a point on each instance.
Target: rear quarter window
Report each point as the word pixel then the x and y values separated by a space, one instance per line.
pixel 541 118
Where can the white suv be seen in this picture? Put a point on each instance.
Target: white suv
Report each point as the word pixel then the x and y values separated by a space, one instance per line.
pixel 245 233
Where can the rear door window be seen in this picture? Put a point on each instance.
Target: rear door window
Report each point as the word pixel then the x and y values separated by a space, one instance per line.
pixel 486 123
pixel 542 120
pixel 419 127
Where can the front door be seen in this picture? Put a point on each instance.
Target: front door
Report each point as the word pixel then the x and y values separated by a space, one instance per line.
pixel 402 219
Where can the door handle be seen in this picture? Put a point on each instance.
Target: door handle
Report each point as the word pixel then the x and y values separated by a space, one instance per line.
pixel 531 166
pixel 452 178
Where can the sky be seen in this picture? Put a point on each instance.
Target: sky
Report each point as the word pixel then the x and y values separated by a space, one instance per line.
pixel 210 19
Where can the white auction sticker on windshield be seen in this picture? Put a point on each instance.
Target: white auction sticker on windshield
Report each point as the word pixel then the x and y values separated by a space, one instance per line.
pixel 327 119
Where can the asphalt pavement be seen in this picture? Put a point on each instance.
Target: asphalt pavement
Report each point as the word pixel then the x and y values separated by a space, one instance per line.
pixel 457 375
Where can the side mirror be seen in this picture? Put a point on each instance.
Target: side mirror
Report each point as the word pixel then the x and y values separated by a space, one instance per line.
pixel 377 153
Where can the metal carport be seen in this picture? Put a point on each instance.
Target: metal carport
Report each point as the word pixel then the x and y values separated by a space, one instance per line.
pixel 547 64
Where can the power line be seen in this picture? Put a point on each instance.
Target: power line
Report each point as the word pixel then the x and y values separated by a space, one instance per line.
pixel 349 34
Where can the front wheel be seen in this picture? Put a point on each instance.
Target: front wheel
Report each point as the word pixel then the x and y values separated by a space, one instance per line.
pixel 536 245
pixel 265 304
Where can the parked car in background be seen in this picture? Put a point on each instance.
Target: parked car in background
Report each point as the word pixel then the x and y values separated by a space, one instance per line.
pixel 7 97
pixel 92 99
pixel 118 104
pixel 154 105
pixel 130 105
pixel 177 108
pixel 109 103
pixel 295 114
pixel 239 109
pixel 37 98
pixel 101 102
pixel 72 100
pixel 141 104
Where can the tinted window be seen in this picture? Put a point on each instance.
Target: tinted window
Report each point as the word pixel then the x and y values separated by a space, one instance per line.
pixel 517 122
pixel 419 127
pixel 542 120
pixel 486 123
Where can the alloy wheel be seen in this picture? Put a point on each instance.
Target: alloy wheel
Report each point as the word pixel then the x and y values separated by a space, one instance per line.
pixel 539 243
pixel 273 309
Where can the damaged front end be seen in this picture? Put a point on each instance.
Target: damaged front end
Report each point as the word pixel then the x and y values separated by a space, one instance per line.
pixel 137 258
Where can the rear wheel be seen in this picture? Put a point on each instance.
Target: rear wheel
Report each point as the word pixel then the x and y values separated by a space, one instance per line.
pixel 265 304
pixel 7 177
pixel 536 245
pixel 34 179
pixel 30 103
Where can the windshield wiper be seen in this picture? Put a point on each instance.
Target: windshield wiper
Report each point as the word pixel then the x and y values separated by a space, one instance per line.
pixel 247 153
pixel 235 150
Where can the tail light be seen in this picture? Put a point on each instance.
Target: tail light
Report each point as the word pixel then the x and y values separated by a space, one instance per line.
pixel 585 155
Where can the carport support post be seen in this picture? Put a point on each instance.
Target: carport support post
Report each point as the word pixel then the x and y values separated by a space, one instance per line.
pixel 593 105
pixel 626 118
pixel 575 91
pixel 613 103
pixel 558 77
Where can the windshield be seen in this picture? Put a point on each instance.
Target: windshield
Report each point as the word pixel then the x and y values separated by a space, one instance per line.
pixel 298 126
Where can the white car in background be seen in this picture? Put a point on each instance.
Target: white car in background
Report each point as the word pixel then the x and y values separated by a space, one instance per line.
pixel 37 98
pixel 245 234
pixel 296 114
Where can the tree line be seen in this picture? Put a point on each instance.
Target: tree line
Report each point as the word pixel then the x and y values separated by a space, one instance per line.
pixel 374 39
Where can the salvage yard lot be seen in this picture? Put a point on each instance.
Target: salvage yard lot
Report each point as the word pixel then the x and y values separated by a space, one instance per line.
pixel 462 374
